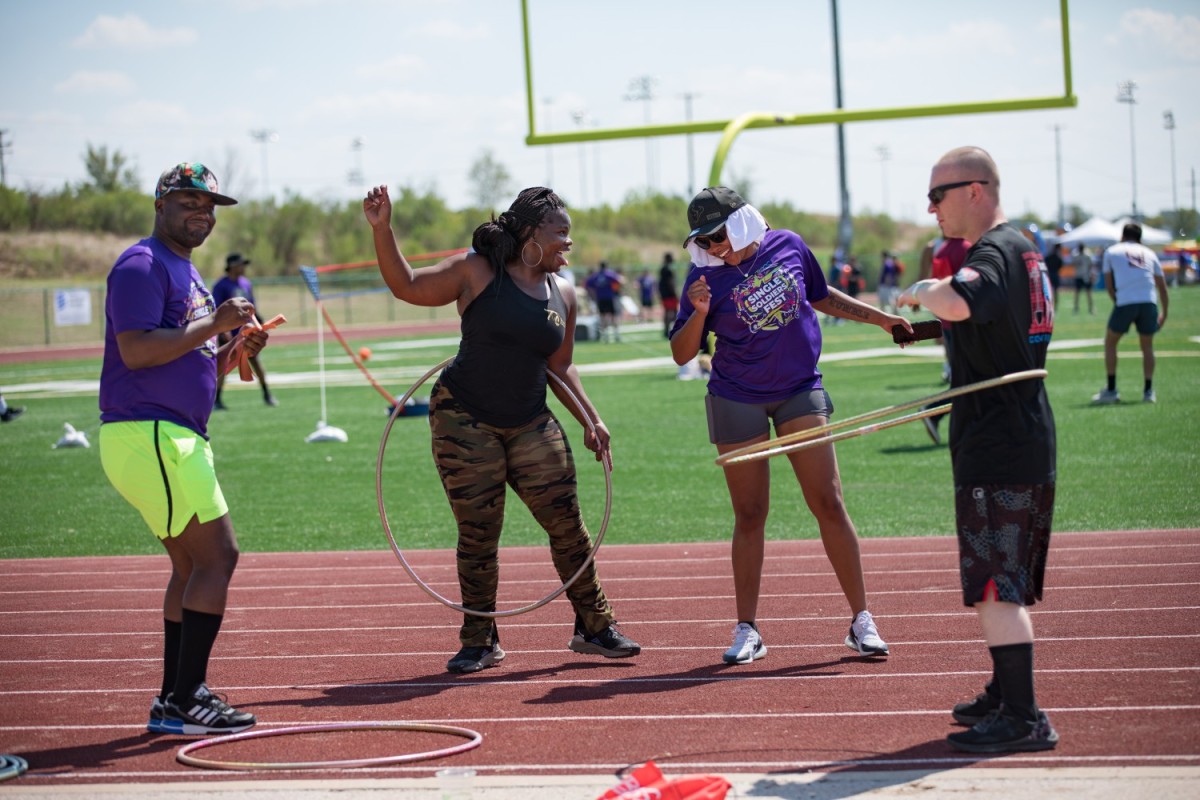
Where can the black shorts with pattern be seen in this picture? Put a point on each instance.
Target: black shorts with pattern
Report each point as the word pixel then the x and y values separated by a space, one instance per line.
pixel 1003 540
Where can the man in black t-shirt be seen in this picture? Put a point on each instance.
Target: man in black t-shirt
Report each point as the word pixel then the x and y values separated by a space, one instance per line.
pixel 1002 441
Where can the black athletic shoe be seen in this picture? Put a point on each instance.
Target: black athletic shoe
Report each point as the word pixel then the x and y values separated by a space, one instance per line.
pixel 610 643
pixel 999 733
pixel 976 711
pixel 203 714
pixel 473 659
pixel 12 413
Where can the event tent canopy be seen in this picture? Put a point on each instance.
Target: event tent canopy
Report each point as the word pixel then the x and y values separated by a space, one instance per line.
pixel 1096 232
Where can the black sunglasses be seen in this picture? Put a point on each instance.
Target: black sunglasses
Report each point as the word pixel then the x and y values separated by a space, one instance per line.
pixel 705 242
pixel 938 193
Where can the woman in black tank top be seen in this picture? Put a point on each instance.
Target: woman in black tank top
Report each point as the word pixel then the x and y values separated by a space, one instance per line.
pixel 488 414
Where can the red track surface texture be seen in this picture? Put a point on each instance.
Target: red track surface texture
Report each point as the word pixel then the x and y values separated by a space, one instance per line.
pixel 346 637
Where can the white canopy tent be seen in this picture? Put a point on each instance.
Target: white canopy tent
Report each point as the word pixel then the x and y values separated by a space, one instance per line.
pixel 1096 232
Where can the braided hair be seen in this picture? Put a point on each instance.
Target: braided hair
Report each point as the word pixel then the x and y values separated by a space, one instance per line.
pixel 500 239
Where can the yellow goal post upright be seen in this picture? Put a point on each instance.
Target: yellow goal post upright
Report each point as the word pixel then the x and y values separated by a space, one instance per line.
pixel 730 129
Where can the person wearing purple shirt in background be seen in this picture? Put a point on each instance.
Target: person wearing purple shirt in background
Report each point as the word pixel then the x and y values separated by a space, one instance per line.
pixel 759 290
pixel 236 284
pixel 604 287
pixel 157 385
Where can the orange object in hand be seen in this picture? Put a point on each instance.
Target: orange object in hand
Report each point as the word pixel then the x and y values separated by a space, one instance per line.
pixel 237 355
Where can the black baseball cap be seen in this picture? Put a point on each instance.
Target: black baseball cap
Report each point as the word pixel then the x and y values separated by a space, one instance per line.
pixel 710 208
pixel 191 177
pixel 235 260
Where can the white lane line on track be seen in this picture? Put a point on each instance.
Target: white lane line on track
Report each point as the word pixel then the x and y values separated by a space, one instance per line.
pixel 551 651
pixel 609 550
pixel 608 683
pixel 626 718
pixel 308 587
pixel 965 614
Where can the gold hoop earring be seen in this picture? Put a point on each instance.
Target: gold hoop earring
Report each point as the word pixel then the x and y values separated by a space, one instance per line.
pixel 541 254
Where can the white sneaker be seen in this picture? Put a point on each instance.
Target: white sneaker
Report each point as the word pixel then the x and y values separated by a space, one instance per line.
pixel 864 636
pixel 747 645
pixel 1149 396
pixel 1106 397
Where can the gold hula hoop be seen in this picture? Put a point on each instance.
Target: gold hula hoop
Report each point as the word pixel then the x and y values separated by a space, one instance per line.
pixel 429 590
pixel 184 755
pixel 825 434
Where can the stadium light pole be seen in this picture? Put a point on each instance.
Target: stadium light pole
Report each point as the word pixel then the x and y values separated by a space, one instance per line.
pixel 845 231
pixel 1169 125
pixel 264 136
pixel 687 113
pixel 1125 95
pixel 356 175
pixel 642 89
pixel 580 116
pixel 885 155
pixel 1058 172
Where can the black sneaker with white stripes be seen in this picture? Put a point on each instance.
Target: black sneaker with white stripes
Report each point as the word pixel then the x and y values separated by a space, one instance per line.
pixel 203 714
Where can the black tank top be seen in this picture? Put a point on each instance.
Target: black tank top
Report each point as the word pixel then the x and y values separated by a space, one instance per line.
pixel 499 374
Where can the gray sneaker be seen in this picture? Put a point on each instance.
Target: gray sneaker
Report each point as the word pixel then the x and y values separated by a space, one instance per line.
pixel 1106 397
pixel 747 645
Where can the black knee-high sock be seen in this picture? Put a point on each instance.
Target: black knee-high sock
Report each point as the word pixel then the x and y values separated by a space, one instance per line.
pixel 172 633
pixel 199 631
pixel 1013 664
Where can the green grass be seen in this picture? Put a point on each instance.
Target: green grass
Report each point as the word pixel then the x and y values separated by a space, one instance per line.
pixel 1120 467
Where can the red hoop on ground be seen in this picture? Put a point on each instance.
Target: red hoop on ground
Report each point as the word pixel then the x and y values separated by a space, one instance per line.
pixel 429 590
pixel 812 437
pixel 184 755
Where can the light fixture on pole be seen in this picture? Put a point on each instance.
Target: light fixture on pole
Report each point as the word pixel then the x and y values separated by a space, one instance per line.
pixel 355 178
pixel 580 116
pixel 1169 124
pixel 264 136
pixel 642 88
pixel 1125 95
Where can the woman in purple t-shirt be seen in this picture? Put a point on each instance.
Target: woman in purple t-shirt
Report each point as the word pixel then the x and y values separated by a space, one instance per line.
pixel 759 290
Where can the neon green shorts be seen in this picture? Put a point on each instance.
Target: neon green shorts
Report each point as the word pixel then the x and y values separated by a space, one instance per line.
pixel 165 471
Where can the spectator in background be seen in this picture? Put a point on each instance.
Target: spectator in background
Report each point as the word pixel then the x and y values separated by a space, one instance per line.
pixel 1054 265
pixel 1084 277
pixel 604 287
pixel 1134 279
pixel 236 284
pixel 890 271
pixel 667 293
pixel 645 283
pixel 852 277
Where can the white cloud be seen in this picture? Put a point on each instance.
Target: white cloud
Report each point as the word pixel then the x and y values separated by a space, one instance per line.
pixel 151 113
pixel 398 66
pixel 449 29
pixel 96 82
pixel 131 31
pixel 1177 35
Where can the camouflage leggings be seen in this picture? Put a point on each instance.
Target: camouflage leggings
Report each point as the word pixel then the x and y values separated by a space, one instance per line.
pixel 475 461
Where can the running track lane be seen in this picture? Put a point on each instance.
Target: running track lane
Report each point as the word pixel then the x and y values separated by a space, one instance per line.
pixel 347 637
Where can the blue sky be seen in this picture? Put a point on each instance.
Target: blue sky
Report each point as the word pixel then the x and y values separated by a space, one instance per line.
pixel 426 87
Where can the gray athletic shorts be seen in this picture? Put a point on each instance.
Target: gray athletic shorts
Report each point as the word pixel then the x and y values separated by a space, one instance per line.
pixel 1142 315
pixel 730 422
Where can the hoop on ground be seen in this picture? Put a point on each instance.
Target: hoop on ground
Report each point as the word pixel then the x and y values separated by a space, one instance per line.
pixel 12 767
pixel 826 433
pixel 429 590
pixel 184 756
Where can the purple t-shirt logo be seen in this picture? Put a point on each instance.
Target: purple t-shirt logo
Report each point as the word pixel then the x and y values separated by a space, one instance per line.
pixel 768 301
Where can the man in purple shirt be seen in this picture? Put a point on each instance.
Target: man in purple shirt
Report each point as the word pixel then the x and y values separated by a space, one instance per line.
pixel 157 386
pixel 604 287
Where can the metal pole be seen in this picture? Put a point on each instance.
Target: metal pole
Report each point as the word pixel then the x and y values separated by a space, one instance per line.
pixel 1169 124
pixel 1125 95
pixel 691 182
pixel 549 101
pixel 845 234
pixel 1058 168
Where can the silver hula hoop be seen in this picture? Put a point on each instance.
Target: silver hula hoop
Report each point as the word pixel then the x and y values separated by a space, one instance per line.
pixel 429 590
pixel 184 755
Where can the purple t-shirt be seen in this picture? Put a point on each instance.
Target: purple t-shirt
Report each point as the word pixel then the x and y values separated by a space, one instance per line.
pixel 150 287
pixel 227 288
pixel 768 336
pixel 605 284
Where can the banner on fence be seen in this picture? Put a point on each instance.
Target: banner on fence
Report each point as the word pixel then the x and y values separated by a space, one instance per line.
pixel 72 307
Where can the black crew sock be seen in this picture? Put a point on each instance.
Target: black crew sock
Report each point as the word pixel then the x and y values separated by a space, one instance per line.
pixel 1112 383
pixel 1149 385
pixel 172 633
pixel 1013 665
pixel 199 631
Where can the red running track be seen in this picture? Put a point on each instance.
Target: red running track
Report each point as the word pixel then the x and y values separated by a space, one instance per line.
pixel 347 637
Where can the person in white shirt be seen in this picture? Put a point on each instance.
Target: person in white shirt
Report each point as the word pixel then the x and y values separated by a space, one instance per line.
pixel 1134 279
